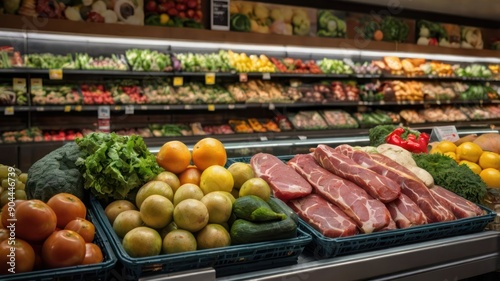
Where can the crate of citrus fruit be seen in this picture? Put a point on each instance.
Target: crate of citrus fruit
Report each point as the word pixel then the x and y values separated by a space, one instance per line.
pixel 199 213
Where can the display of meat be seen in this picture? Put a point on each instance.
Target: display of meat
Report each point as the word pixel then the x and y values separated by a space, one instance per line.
pixel 368 213
pixel 325 217
pixel 405 212
pixel 284 181
pixel 412 187
pixel 378 186
pixel 461 207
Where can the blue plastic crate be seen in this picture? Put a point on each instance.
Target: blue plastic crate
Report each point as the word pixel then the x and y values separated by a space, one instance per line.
pixel 99 271
pixel 226 261
pixel 325 247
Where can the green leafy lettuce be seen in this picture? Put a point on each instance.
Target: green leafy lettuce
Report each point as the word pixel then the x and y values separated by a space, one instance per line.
pixel 113 166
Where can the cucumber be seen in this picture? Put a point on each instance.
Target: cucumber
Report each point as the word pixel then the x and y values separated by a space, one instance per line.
pixel 255 209
pixel 244 231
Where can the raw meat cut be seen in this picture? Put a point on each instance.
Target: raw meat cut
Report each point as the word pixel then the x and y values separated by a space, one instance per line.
pixel 325 217
pixel 284 181
pixel 378 186
pixel 368 213
pixel 461 207
pixel 412 187
pixel 405 212
pixel 392 225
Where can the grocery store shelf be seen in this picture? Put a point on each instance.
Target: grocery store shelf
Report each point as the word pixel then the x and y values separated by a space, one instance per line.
pixel 451 258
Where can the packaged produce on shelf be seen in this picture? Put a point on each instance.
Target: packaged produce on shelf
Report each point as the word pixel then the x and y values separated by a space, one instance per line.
pixel 183 13
pixel 293 93
pixel 10 58
pixel 9 96
pixel 204 94
pixel 241 62
pixel 96 94
pixel 475 92
pixel 493 110
pixel 411 116
pixel 49 61
pixel 149 60
pixel 143 132
pixel 438 91
pixel 443 114
pixel 159 91
pixel 266 18
pixel 240 126
pixel 339 119
pixel 237 92
pixel 127 92
pixel 170 130
pixel 115 62
pixel 472 38
pixel 371 92
pixel 377 117
pixel 334 66
pixel 408 91
pixel 256 125
pixel 438 34
pixel 412 67
pixel 197 129
pixel 365 68
pixel 33 134
pixel 473 71
pixel 307 120
pixel 331 24
pixel 291 65
pixel 475 112
pixel 283 123
pixel 438 69
pixel 386 28
pixel 258 91
pixel 56 95
pixel 211 62
pixel 218 129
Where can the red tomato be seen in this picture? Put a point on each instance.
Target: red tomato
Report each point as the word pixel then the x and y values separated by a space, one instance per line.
pixel 67 208
pixel 4 234
pixel 21 259
pixel 63 248
pixel 83 227
pixel 8 212
pixel 93 254
pixel 35 220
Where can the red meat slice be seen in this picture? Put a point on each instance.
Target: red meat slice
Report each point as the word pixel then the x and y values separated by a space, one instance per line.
pixel 284 181
pixel 461 207
pixel 405 212
pixel 325 217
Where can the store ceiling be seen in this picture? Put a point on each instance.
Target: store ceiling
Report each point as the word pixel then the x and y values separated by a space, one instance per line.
pixel 481 9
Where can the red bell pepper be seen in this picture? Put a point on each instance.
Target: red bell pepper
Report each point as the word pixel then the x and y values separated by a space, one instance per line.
pixel 412 143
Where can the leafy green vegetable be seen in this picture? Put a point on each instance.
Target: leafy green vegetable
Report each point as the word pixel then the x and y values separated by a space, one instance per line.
pixel 56 172
pixel 394 29
pixel 378 134
pixel 448 174
pixel 240 22
pixel 113 165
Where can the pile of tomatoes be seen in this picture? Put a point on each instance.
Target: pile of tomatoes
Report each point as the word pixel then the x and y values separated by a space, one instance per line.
pixel 46 235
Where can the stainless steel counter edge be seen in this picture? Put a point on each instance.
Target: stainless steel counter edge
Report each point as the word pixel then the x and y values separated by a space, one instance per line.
pixel 451 258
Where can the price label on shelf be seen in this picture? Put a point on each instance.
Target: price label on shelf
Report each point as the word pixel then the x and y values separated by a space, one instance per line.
pixel 231 106
pixel 210 78
pixel 40 108
pixel 211 107
pixel 78 108
pixel 302 137
pixel 9 110
pixel 19 84
pixel 103 112
pixel 266 76
pixel 67 108
pixel 118 107
pixel 178 81
pixel 271 106
pixel 188 106
pixel 129 109
pixel 166 107
pixel 263 138
pixel 144 107
pixel 243 77
pixel 55 74
pixel 444 133
pixel 36 84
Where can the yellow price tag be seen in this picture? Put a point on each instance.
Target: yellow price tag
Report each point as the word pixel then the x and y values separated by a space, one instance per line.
pixel 36 84
pixel 78 108
pixel 19 84
pixel 210 78
pixel 9 110
pixel 211 107
pixel 178 81
pixel 67 108
pixel 55 74
pixel 118 107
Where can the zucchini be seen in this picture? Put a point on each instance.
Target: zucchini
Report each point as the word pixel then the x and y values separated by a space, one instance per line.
pixel 255 209
pixel 244 231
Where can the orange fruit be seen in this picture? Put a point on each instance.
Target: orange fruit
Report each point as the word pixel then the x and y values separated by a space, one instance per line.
pixel 190 175
pixel 378 35
pixel 208 152
pixel 174 156
pixel 489 160
pixel 491 177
